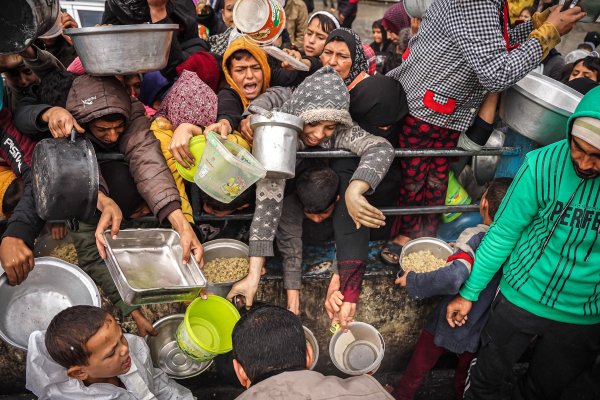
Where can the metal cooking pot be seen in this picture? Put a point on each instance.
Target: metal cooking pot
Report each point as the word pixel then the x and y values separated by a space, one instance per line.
pixel 65 178
pixel 23 21
pixel 123 49
pixel 538 108
pixel 275 140
pixel 416 8
pixel 219 248
pixel 484 167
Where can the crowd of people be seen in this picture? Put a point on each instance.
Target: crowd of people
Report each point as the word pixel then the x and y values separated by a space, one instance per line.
pixel 528 275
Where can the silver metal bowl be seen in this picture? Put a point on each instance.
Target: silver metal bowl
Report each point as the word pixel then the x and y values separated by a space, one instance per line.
pixel 484 167
pixel 437 247
pixel 538 107
pixel 311 341
pixel 219 248
pixel 123 49
pixel 52 286
pixel 166 354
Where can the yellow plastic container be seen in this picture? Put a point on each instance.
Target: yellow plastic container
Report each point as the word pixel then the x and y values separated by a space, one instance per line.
pixel 207 328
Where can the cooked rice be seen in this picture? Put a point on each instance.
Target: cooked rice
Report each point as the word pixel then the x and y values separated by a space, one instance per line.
pixel 66 252
pixel 422 261
pixel 222 270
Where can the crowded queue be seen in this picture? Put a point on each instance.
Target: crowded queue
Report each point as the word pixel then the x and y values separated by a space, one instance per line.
pixel 528 273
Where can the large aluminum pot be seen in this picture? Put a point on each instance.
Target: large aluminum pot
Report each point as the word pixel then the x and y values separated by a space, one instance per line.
pixel 22 21
pixel 52 286
pixel 538 108
pixel 219 248
pixel 484 167
pixel 435 246
pixel 123 49
pixel 275 140
pixel 65 178
pixel 416 8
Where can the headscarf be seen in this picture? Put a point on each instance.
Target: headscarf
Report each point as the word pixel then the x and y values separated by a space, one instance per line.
pixel 153 85
pixel 396 18
pixel 378 101
pixel 242 43
pixel 385 42
pixel 582 85
pixel 7 176
pixel 205 66
pixel 326 14
pixel 189 100
pixel 359 59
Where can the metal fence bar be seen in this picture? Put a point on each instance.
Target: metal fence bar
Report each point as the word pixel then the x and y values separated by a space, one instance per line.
pixel 496 151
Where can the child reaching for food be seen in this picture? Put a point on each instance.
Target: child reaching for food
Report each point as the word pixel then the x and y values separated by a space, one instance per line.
pixel 85 355
pixel 438 338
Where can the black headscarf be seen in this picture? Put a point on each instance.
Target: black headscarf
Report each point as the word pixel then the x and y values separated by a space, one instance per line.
pixel 385 42
pixel 582 85
pixel 359 59
pixel 378 101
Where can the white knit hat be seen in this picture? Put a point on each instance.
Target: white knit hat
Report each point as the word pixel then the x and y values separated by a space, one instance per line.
pixel 588 130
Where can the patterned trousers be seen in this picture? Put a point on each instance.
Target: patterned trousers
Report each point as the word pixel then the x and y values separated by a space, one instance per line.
pixel 425 179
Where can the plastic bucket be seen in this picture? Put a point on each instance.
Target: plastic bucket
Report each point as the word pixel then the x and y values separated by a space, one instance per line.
pixel 455 196
pixel 226 169
pixel 207 328
pixel 260 20
pixel 358 351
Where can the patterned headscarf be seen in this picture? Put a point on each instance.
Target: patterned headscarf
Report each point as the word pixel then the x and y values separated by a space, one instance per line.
pixel 396 18
pixel 189 100
pixel 259 55
pixel 359 59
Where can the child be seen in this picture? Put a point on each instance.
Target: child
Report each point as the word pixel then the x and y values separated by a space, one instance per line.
pixel 381 45
pixel 84 354
pixel 437 338
pixel 526 14
pixel 310 207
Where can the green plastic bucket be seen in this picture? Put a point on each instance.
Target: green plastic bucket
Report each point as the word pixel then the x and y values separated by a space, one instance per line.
pixel 226 169
pixel 455 196
pixel 196 146
pixel 207 328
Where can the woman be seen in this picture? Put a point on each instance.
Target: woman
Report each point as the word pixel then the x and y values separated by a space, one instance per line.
pixel 344 53
pixel 327 124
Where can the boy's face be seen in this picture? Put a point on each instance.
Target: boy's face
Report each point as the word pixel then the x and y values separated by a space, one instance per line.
pixel 320 217
pixel 248 76
pixel 109 353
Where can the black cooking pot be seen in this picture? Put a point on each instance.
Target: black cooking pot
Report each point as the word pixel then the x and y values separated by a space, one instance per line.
pixel 23 21
pixel 65 178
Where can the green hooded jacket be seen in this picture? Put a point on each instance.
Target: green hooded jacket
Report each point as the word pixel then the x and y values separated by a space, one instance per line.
pixel 552 273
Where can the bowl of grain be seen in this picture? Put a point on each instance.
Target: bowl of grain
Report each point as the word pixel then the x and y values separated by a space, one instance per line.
pixel 424 254
pixel 225 263
pixel 63 249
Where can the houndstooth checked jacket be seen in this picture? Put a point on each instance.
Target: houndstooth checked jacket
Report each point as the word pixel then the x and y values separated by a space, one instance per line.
pixel 458 56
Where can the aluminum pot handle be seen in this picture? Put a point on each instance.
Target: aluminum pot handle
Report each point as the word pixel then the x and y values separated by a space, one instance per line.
pixel 254 109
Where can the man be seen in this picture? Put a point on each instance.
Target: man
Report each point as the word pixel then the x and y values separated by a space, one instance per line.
pixel 113 122
pixel 545 238
pixel 271 360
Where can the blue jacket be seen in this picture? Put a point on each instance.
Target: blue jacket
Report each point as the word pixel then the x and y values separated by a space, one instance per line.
pixel 446 282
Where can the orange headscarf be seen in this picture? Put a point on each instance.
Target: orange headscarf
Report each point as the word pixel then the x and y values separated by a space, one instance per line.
pixel 243 43
pixel 7 176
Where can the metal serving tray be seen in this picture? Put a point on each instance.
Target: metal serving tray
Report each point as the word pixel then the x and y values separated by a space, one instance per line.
pixel 147 269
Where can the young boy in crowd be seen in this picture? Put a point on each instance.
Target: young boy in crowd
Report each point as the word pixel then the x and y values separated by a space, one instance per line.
pixel 438 338
pixel 226 229
pixel 309 208
pixel 85 355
